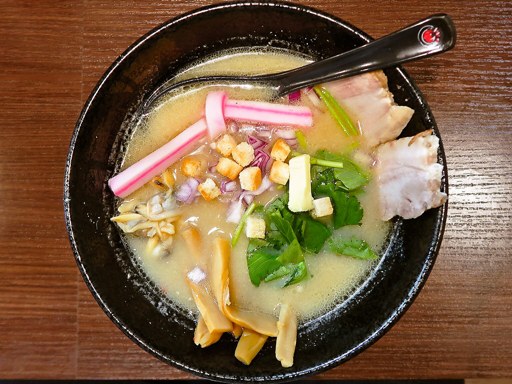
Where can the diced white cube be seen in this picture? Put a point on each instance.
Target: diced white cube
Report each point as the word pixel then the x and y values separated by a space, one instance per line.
pixel 322 207
pixel 300 198
pixel 255 227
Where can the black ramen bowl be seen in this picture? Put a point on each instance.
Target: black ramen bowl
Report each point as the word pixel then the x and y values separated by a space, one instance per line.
pixel 129 298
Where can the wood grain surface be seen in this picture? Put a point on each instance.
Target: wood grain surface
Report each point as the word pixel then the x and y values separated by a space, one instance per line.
pixel 51 55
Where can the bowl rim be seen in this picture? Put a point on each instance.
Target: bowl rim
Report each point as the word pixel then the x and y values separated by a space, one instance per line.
pixel 409 296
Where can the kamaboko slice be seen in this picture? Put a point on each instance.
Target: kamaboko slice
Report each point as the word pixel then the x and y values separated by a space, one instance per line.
pixel 138 174
pixel 268 113
pixel 214 113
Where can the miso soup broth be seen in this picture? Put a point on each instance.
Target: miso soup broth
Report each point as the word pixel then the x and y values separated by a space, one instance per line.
pixel 331 277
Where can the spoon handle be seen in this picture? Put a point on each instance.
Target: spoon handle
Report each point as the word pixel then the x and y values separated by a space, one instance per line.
pixel 427 37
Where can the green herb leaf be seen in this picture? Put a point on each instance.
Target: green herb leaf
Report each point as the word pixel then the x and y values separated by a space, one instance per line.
pixel 279 206
pixel 318 161
pixel 283 227
pixel 338 113
pixel 280 254
pixel 280 272
pixel 352 247
pixel 292 254
pixel 352 176
pixel 312 233
pixel 262 261
pixel 300 273
pixel 347 209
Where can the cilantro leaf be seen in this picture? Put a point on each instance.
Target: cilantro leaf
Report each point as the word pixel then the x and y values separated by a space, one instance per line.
pixel 299 273
pixel 311 233
pixel 292 254
pixel 284 228
pixel 278 256
pixel 350 176
pixel 352 247
pixel 347 208
pixel 261 262
pixel 280 272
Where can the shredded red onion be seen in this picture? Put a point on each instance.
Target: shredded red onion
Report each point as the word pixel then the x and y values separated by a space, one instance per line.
pixel 261 160
pixel 293 143
pixel 235 212
pixel 313 97
pixel 247 198
pixel 256 142
pixel 187 191
pixel 265 132
pixel 232 127
pixel 289 136
pixel 294 96
pixel 247 129
pixel 237 207
pixel 286 134
pixel 228 186
pixel 265 184
pixel 212 168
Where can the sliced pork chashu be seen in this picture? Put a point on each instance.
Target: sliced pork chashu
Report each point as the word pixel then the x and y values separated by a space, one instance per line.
pixel 409 176
pixel 367 100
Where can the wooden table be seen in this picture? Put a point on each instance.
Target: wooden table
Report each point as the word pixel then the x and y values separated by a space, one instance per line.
pixel 51 55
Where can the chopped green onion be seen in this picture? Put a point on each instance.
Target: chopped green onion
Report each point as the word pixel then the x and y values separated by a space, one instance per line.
pixel 326 163
pixel 321 162
pixel 301 139
pixel 241 224
pixel 336 111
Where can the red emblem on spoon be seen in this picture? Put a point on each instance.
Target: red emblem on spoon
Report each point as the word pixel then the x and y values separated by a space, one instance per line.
pixel 429 35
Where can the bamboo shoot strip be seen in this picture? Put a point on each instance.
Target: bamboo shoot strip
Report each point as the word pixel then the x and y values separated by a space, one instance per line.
pixel 287 336
pixel 249 345
pixel 208 308
pixel 202 336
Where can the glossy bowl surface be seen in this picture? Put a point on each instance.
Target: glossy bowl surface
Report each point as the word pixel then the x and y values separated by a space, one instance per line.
pixel 133 303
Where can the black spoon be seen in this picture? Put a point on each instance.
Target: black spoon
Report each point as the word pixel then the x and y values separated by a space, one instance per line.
pixel 427 37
